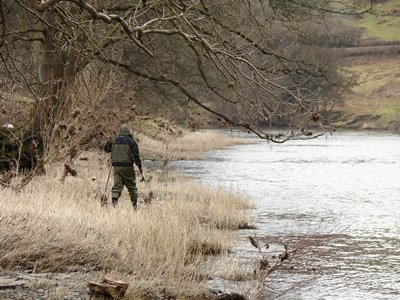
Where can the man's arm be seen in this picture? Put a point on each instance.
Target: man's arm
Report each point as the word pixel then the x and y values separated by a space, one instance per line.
pixel 108 146
pixel 135 154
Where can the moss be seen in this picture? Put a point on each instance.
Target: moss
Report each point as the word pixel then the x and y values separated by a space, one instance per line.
pixel 335 116
pixel 390 114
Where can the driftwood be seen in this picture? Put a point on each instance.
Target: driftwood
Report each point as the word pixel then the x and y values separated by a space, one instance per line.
pixel 108 287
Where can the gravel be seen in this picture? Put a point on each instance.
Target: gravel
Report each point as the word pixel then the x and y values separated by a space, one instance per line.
pixel 27 285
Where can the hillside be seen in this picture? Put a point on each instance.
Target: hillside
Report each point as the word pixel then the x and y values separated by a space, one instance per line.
pixel 375 102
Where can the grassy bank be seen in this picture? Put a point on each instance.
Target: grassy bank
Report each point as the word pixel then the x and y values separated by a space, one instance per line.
pixel 375 102
pixel 378 94
pixel 55 226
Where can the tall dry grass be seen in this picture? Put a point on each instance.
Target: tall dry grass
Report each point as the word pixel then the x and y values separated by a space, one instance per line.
pixel 191 145
pixel 58 226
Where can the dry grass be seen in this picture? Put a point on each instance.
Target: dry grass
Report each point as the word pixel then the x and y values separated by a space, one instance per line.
pixel 159 249
pixel 190 145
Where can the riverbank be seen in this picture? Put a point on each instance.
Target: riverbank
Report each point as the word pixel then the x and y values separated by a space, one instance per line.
pixel 56 226
pixel 374 103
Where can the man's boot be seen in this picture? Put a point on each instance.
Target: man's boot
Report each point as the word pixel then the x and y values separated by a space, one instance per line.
pixel 134 203
pixel 114 202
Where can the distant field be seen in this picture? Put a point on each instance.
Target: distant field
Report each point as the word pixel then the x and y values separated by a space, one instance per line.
pixel 378 72
pixel 383 24
pixel 379 90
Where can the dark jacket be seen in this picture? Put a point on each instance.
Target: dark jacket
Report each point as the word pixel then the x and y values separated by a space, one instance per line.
pixel 124 149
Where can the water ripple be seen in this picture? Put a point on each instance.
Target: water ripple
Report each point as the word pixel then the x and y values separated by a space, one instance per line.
pixel 335 199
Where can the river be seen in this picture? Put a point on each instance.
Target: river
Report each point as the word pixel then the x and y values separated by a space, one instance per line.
pixel 335 198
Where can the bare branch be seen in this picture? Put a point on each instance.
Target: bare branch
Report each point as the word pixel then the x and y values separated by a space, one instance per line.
pixel 247 63
pixel 2 24
pixel 42 5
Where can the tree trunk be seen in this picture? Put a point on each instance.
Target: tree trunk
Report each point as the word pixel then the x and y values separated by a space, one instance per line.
pixel 57 73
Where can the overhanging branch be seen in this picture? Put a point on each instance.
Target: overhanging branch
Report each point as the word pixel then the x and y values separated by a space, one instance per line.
pixel 276 138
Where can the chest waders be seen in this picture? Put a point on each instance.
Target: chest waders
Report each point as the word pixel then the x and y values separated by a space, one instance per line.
pixel 125 176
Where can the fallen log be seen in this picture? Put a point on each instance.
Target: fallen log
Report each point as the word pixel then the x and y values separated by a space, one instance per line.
pixel 108 287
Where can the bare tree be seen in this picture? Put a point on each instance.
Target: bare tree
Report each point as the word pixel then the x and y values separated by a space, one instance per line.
pixel 249 63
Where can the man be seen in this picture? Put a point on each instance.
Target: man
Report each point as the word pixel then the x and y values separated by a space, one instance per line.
pixel 124 153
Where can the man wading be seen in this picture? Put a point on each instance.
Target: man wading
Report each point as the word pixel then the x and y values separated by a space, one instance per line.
pixel 124 152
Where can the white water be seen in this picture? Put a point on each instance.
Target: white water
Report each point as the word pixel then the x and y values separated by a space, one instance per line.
pixel 337 198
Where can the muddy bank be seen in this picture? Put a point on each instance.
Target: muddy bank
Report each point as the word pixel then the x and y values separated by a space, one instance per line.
pixel 28 285
pixel 368 122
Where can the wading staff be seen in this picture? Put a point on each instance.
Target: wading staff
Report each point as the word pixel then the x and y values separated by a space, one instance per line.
pixel 104 198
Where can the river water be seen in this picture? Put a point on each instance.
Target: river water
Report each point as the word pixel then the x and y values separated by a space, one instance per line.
pixel 335 198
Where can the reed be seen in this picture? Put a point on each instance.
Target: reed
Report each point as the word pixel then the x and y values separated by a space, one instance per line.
pixel 191 145
pixel 56 224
